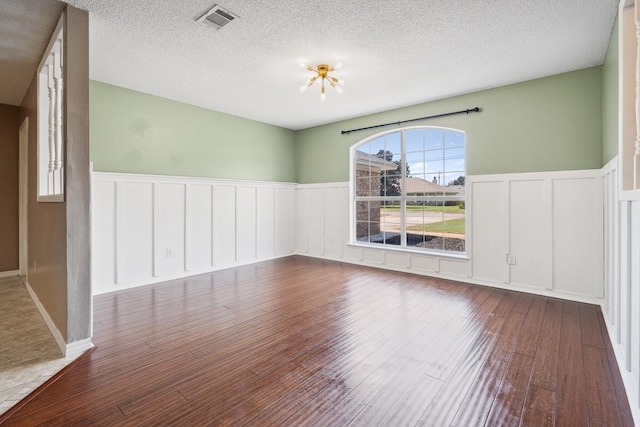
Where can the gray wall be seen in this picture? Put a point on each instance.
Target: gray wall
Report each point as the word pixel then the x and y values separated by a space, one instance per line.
pixel 59 270
pixel 78 177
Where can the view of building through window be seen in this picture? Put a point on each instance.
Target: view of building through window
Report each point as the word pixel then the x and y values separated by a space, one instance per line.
pixel 409 189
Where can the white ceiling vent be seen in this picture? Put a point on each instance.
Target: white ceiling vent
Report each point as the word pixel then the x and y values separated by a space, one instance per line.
pixel 217 17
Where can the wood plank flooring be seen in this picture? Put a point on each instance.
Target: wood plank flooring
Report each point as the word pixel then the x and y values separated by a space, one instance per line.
pixel 301 341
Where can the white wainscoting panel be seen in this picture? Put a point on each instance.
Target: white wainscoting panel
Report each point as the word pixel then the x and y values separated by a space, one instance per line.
pixel 301 222
pixel 634 295
pixel 373 256
pixel 315 220
pixel 551 225
pixel 284 218
pixel 266 222
pixel 506 214
pixel 424 264
pixel 611 241
pixel 150 228
pixel 626 246
pixel 103 230
pixel 246 227
pixel 352 253
pixel 530 233
pixel 454 268
pixel 621 307
pixel 336 214
pixel 199 236
pixel 398 259
pixel 626 334
pixel 224 232
pixel 135 231
pixel 170 229
pixel 486 201
pixel 578 236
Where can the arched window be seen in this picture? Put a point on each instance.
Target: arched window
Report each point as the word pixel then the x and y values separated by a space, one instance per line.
pixel 408 190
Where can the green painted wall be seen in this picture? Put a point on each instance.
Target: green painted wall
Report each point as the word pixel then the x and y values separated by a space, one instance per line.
pixel 139 133
pixel 610 98
pixel 549 124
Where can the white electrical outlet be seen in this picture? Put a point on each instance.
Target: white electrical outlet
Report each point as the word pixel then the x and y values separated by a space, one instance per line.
pixel 511 259
pixel 169 253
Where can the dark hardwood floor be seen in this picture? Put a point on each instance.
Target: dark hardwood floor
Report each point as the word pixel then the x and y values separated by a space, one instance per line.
pixel 300 341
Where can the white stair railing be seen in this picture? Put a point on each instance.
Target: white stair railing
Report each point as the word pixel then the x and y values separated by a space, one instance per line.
pixel 50 120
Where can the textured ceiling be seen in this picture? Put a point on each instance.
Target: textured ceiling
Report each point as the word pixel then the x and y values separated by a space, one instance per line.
pixel 394 53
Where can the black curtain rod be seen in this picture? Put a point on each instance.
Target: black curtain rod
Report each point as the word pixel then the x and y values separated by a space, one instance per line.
pixel 467 111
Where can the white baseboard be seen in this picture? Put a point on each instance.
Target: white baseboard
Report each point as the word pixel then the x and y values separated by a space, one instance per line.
pixel 465 279
pixel 57 336
pixel 75 349
pixel 105 289
pixel 11 273
pixel 629 383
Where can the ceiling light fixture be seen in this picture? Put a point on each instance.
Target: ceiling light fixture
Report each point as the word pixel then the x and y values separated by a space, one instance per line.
pixel 322 72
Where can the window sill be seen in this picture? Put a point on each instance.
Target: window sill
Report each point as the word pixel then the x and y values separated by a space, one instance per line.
pixel 459 256
pixel 51 198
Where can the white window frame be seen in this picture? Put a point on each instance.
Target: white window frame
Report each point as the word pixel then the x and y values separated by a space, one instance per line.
pixel 353 199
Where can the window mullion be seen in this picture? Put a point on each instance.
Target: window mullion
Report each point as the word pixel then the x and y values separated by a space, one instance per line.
pixel 442 182
pixel 403 193
pixel 390 202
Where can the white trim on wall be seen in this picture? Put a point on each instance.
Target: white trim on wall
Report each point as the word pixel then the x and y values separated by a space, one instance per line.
pixel 68 350
pixel 10 273
pixel 144 230
pixel 23 199
pixel 499 217
pixel 621 305
pixel 57 336
pixel 150 228
pixel 77 348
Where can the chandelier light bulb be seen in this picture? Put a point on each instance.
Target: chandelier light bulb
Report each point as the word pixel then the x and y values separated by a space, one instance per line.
pixel 323 97
pixel 322 73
